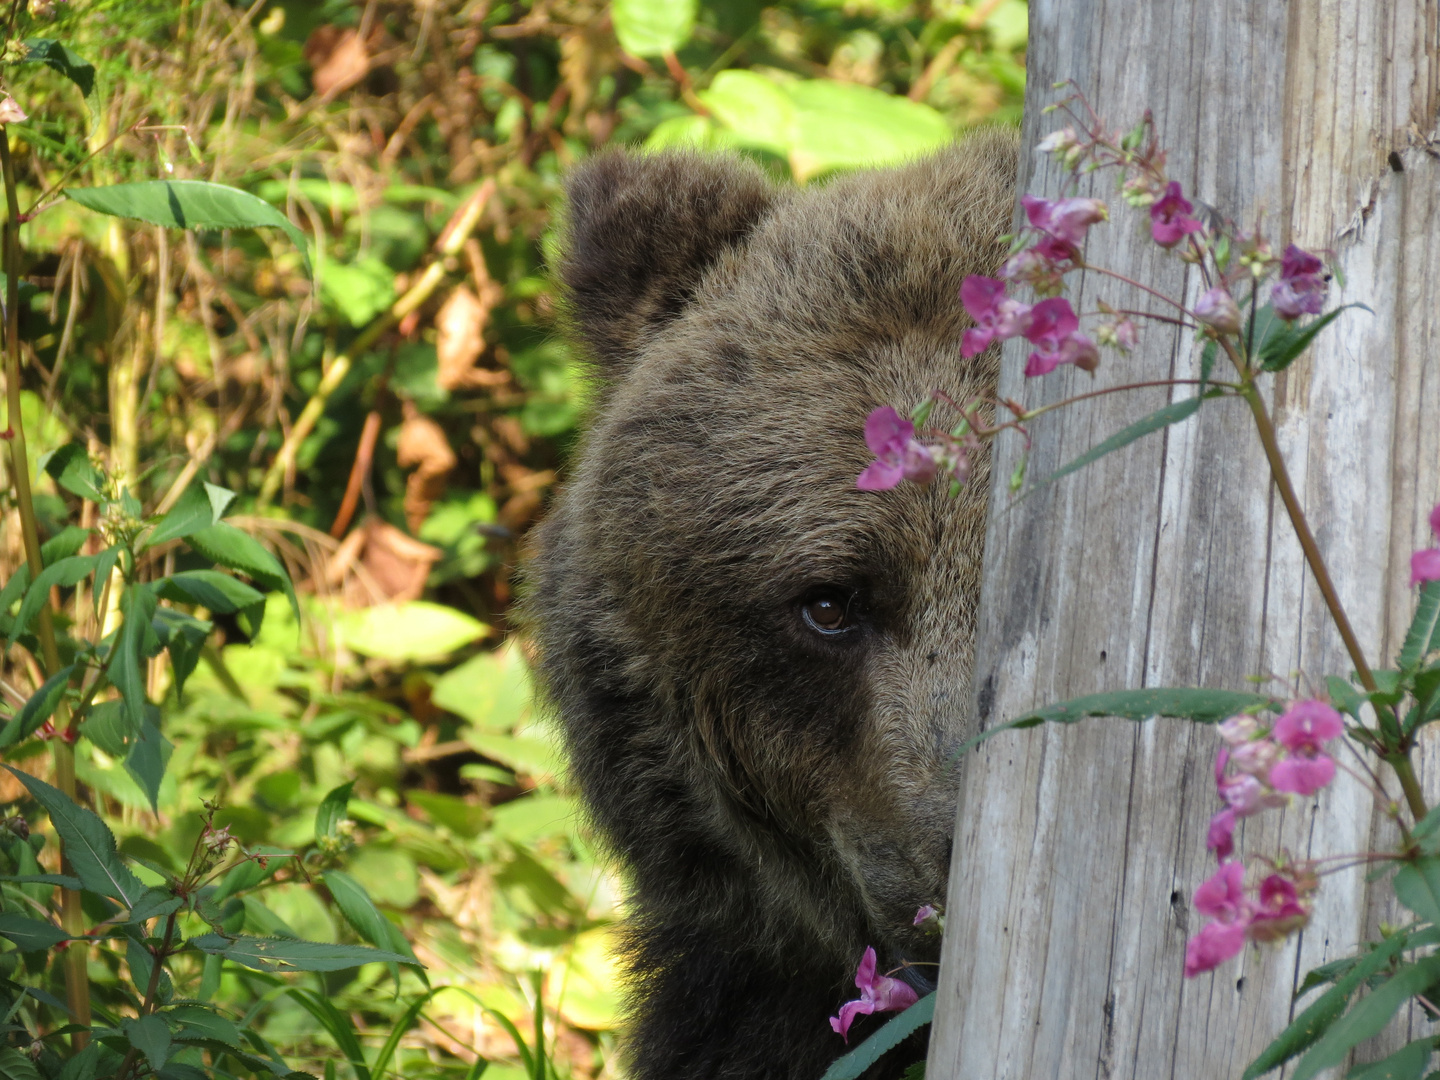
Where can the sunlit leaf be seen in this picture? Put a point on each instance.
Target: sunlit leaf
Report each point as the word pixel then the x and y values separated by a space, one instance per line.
pixel 840 125
pixel 238 550
pixel 201 506
pixel 71 469
pixel 63 59
pixel 188 204
pixel 332 810
pixel 65 573
pixel 653 27
pixel 416 630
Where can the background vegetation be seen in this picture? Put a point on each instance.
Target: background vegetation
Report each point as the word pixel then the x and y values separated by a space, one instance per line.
pixel 393 425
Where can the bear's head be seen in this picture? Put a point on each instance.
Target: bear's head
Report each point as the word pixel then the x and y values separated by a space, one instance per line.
pixel 762 672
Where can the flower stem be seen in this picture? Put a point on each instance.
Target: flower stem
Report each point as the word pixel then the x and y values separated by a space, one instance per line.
pixel 1399 760
pixel 77 984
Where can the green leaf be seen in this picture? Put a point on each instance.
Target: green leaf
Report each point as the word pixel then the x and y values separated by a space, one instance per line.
pixel 1423 637
pixel 71 469
pixel 64 60
pixel 1317 1018
pixel 151 1036
pixel 1181 702
pixel 16 1066
pixel 189 204
pixel 202 506
pixel 1408 1063
pixel 211 589
pixel 184 636
pixel 841 125
pixel 148 756
pixel 755 108
pixel 1417 886
pixel 38 709
pixel 653 27
pixel 407 632
pixel 361 913
pixel 338 1024
pixel 89 843
pixel 230 547
pixel 63 881
pixel 1368 1017
pixel 107 725
pixel 1171 414
pixel 68 541
pixel 14 589
pixel 30 935
pixel 85 1065
pixel 291 954
pixel 127 667
pixel 104 566
pixel 333 809
pixel 1282 346
pixel 197 1023
pixel 65 573
pixel 1344 696
pixel 1207 364
pixel 887 1038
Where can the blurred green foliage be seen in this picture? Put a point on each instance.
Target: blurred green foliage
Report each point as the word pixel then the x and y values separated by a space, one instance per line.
pixel 177 355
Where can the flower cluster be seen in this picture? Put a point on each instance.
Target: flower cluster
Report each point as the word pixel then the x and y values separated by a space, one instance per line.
pixel 1278 907
pixel 1269 766
pixel 1254 770
pixel 899 455
pixel 1425 565
pixel 878 993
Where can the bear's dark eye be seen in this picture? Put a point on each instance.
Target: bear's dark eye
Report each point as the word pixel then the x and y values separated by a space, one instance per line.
pixel 828 612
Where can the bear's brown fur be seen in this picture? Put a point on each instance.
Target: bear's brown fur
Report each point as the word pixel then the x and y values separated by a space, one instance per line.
pixel 779 797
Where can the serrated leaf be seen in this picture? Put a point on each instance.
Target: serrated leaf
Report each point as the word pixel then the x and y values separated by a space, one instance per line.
pixel 887 1038
pixel 1161 418
pixel 1317 1018
pixel 1344 696
pixel 89 843
pixel 653 27
pixel 107 725
pixel 199 1023
pixel 1282 347
pixel 1367 1017
pixel 62 59
pixel 154 902
pixel 1423 637
pixel 84 1065
pixel 1408 1063
pixel 202 506
pixel 189 204
pixel 71 469
pixel 39 708
pixel 65 573
pixel 1182 703
pixel 333 809
pixel 30 935
pixel 292 954
pixel 238 550
pixel 151 1036
pixel 64 881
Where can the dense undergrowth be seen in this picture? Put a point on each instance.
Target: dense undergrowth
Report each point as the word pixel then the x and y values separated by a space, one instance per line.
pixel 392 411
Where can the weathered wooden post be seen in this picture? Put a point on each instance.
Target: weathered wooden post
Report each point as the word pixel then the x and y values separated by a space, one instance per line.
pixel 1170 563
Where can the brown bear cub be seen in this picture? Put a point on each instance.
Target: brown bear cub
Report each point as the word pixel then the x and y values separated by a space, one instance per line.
pixel 762 672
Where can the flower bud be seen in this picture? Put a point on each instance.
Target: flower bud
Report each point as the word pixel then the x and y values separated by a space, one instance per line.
pixel 10 111
pixel 1217 310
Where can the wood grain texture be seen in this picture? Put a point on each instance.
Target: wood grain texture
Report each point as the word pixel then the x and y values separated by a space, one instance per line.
pixel 1172 562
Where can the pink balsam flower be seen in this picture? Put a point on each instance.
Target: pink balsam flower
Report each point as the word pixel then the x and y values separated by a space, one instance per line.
pixel 1054 331
pixel 1170 220
pixel 1301 289
pixel 1210 948
pixel 996 315
pixel 1425 565
pixel 1303 729
pixel 1066 220
pixel 878 993
pixel 898 454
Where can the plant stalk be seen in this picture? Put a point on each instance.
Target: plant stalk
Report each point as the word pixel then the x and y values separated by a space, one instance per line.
pixel 77 983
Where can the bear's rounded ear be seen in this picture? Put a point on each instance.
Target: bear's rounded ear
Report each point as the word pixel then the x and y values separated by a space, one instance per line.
pixel 640 231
